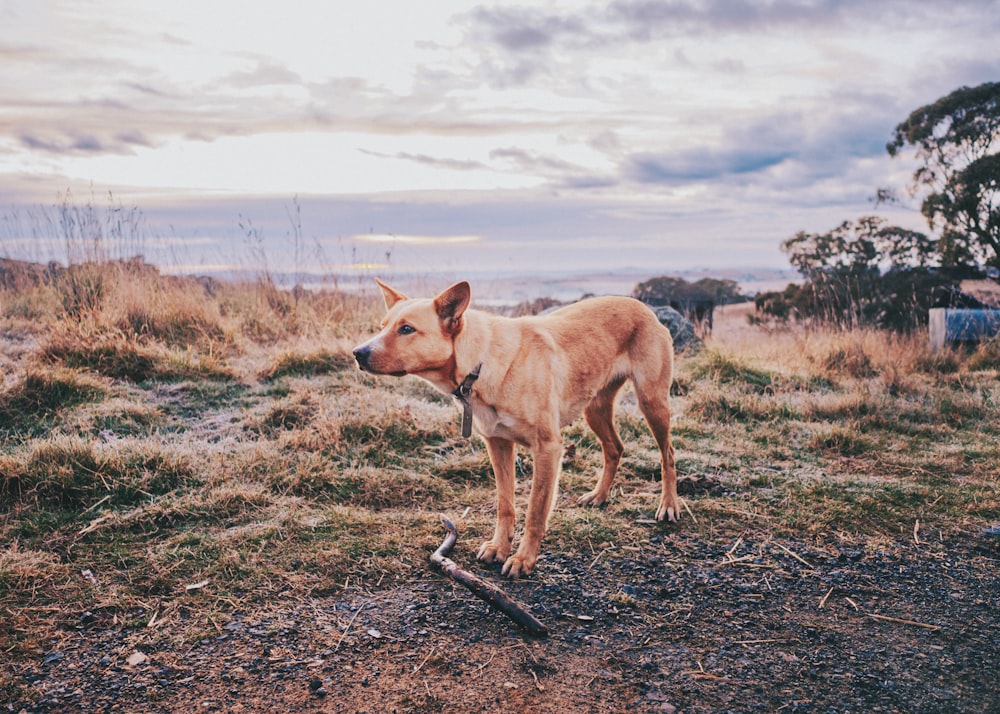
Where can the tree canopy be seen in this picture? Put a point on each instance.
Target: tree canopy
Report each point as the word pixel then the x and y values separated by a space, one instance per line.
pixel 666 289
pixel 957 139
pixel 862 273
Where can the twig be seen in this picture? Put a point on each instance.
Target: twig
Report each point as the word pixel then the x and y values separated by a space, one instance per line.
pixel 486 664
pixel 421 665
pixel 899 621
pixel 797 557
pixel 825 598
pixel 599 555
pixel 96 523
pixel 916 532
pixel 702 674
pixel 734 561
pixel 534 676
pixel 491 594
pixel 106 498
pixel 685 504
pixel 348 628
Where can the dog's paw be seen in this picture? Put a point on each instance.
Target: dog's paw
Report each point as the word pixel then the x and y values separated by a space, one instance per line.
pixel 492 552
pixel 596 497
pixel 668 512
pixel 518 566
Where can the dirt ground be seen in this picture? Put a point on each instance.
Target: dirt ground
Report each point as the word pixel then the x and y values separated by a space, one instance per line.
pixel 683 624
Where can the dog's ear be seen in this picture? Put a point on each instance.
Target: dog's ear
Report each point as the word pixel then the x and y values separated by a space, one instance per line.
pixel 450 305
pixel 390 296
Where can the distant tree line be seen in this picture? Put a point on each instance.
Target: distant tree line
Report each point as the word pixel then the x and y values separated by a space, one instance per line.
pixel 666 290
pixel 868 273
pixel 696 301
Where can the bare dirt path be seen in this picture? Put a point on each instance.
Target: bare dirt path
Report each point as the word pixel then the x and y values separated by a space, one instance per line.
pixel 684 624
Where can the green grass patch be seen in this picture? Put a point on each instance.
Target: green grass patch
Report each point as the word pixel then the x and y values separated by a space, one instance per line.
pixel 717 367
pixel 31 405
pixel 294 364
pixel 71 473
pixel 114 357
pixel 842 441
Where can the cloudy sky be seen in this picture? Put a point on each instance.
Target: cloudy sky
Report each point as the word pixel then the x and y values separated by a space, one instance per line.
pixel 654 134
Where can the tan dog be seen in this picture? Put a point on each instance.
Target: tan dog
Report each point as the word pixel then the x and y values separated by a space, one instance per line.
pixel 524 379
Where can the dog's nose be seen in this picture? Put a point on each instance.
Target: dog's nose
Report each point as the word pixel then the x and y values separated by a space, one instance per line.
pixel 362 355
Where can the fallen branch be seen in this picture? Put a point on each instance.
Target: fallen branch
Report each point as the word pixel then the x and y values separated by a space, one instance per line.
pixel 494 596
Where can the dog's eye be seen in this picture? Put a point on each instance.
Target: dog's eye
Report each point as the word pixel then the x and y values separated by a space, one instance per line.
pixel 405 330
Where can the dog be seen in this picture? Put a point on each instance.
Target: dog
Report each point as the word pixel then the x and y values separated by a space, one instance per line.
pixel 520 380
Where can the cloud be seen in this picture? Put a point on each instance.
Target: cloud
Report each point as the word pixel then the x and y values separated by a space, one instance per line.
pixel 437 162
pixel 525 30
pixel 534 162
pixel 266 73
pixel 699 164
pixel 403 239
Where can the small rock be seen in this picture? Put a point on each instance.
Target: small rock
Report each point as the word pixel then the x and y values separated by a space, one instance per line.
pixel 136 658
pixel 375 634
pixel 315 684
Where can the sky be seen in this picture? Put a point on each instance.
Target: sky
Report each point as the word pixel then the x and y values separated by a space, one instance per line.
pixel 322 137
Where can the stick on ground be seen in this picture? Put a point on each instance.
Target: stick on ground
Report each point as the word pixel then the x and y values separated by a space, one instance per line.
pixel 494 596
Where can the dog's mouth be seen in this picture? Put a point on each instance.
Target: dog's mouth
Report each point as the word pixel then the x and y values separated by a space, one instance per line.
pixel 370 370
pixel 364 358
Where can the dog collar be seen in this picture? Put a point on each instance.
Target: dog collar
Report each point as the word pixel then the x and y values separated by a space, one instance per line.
pixel 462 394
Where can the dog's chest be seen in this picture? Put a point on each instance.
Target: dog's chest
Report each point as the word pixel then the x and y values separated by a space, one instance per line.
pixel 489 422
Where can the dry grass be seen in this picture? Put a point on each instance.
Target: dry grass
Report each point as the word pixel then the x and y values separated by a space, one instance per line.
pixel 161 432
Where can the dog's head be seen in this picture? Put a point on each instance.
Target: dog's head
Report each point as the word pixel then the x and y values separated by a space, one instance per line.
pixel 416 335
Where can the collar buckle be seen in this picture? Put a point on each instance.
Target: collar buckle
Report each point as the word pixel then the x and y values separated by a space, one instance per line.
pixel 462 394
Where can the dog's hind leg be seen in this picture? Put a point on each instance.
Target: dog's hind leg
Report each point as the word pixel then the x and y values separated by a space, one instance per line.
pixel 654 401
pixel 498 547
pixel 657 412
pixel 600 415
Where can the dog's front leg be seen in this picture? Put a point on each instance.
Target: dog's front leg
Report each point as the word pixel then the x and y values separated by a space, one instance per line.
pixel 547 455
pixel 498 547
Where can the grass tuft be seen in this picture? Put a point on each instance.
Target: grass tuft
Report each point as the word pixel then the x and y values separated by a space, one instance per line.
pixel 30 405
pixel 70 473
pixel 294 364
